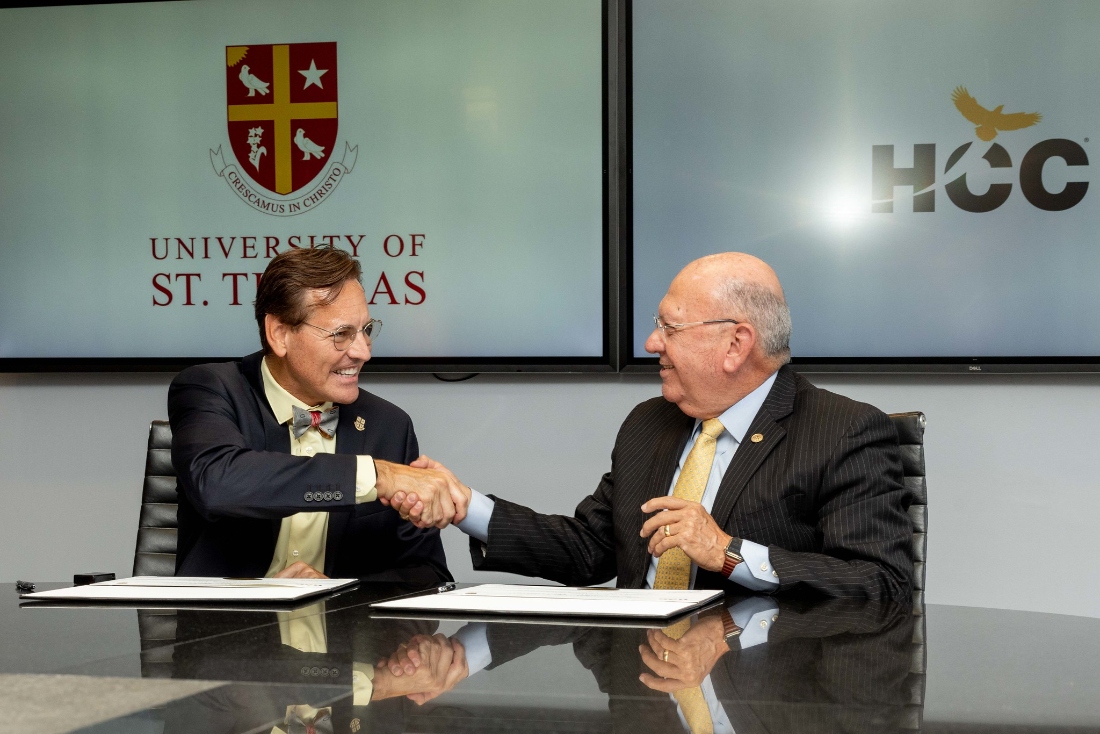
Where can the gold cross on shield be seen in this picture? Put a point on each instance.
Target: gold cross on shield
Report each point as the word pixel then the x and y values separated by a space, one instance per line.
pixel 281 111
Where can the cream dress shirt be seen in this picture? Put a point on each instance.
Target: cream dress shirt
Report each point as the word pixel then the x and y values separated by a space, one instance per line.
pixel 302 536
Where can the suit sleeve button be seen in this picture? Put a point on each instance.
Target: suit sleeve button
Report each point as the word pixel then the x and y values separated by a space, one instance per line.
pixel 337 495
pixel 328 496
pixel 309 496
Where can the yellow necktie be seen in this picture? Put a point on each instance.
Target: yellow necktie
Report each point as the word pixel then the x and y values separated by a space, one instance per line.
pixel 693 704
pixel 674 567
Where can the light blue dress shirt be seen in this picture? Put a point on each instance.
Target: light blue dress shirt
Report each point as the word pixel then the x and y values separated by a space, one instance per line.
pixel 756 572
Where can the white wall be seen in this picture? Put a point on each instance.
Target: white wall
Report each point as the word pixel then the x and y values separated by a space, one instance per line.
pixel 1011 480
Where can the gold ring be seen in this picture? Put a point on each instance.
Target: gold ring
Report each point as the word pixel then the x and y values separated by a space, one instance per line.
pixel 403 517
pixel 667 531
pixel 666 656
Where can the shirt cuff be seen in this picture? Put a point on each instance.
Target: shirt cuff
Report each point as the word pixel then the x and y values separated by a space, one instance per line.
pixel 756 572
pixel 304 629
pixel 475 638
pixel 476 522
pixel 755 616
pixel 366 478
pixel 362 683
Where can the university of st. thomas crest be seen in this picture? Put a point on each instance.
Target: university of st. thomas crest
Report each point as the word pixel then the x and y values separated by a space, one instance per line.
pixel 281 110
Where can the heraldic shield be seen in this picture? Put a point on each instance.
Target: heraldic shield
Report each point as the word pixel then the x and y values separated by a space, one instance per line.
pixel 281 111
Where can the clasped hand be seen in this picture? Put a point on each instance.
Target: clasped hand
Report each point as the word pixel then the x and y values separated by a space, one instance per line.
pixel 425 492
pixel 421 669
pixel 690 528
pixel 684 662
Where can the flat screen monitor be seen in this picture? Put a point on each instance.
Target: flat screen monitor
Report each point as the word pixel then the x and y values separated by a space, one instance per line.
pixel 156 156
pixel 919 174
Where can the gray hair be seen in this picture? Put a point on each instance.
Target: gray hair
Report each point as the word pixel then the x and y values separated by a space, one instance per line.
pixel 764 309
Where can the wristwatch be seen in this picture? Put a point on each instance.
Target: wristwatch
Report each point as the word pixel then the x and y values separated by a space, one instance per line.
pixel 730 631
pixel 733 556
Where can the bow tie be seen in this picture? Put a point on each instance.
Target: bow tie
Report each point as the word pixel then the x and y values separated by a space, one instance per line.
pixel 323 422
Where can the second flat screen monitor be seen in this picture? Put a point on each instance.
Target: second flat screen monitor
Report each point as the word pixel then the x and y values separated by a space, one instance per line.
pixel 918 173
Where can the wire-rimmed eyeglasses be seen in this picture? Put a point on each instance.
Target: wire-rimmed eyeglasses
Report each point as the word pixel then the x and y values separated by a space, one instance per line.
pixel 667 329
pixel 345 335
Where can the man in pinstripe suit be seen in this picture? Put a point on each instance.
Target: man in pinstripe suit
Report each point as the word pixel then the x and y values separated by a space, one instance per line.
pixel 805 487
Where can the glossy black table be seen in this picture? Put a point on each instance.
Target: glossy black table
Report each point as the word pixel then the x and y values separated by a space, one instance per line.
pixel 799 665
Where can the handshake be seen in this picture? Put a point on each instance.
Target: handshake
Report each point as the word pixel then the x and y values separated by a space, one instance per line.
pixel 425 493
pixel 421 669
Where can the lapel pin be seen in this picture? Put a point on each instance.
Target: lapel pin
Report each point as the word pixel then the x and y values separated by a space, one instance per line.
pixel 757 437
pixel 360 424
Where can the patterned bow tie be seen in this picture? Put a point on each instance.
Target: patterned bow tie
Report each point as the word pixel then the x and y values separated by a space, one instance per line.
pixel 323 422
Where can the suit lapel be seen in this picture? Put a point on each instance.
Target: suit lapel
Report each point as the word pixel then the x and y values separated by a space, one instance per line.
pixel 666 457
pixel 750 455
pixel 348 441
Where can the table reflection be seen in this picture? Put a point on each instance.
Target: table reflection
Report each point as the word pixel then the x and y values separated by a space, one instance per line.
pixel 756 664
pixel 752 665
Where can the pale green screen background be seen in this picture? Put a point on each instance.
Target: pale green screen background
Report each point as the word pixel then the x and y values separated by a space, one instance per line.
pixel 478 125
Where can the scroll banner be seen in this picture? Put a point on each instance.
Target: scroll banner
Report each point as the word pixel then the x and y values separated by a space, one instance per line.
pixel 284 207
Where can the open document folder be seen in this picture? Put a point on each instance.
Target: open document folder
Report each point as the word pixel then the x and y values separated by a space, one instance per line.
pixel 558 601
pixel 194 589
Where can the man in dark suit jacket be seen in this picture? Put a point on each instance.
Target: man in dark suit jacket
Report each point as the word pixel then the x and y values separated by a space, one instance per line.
pixel 285 467
pixel 804 490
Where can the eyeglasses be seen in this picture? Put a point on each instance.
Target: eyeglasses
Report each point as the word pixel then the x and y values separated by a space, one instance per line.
pixel 344 336
pixel 667 329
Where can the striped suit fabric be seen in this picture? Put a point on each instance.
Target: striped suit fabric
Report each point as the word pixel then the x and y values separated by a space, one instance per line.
pixel 829 665
pixel 822 490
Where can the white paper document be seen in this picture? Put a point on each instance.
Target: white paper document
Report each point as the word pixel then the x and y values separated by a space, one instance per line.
pixel 194 589
pixel 558 600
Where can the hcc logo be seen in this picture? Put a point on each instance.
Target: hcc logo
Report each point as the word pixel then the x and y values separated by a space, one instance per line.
pixel 922 176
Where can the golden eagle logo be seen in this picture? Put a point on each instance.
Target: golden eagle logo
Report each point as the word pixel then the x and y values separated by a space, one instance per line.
pixel 990 121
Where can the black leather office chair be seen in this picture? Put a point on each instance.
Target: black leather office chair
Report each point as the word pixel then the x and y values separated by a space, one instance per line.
pixel 155 554
pixel 910 428
pixel 157 632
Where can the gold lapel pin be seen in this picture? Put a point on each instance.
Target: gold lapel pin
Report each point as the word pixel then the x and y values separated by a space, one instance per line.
pixel 360 424
pixel 757 437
